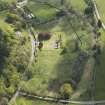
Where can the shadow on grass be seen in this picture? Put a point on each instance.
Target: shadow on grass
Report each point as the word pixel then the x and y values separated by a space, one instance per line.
pixel 100 77
pixel 69 70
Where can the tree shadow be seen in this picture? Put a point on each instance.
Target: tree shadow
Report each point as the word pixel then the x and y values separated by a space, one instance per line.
pixel 100 76
pixel 71 66
pixel 68 70
pixel 47 25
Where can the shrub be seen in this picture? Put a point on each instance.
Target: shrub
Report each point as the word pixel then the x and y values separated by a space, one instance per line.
pixel 15 20
pixel 3 5
pixel 44 36
pixel 88 10
pixel 3 101
pixel 40 46
pixel 66 90
pixel 11 18
pixel 10 90
pixel 99 24
pixel 60 13
pixel 64 51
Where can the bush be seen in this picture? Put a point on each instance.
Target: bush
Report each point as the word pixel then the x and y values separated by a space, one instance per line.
pixel 11 18
pixel 3 5
pixel 89 10
pixel 66 90
pixel 99 24
pixel 64 51
pixel 10 90
pixel 62 2
pixel 89 3
pixel 60 13
pixel 40 46
pixel 3 101
pixel 44 36
pixel 15 20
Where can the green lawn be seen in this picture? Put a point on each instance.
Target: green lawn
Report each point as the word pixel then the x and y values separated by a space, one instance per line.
pixel 50 71
pixel 10 1
pixel 43 12
pixel 101 8
pixel 100 75
pixel 78 4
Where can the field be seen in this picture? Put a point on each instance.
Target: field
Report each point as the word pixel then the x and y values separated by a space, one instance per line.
pixel 78 4
pixel 100 72
pixel 100 67
pixel 101 8
pixel 43 12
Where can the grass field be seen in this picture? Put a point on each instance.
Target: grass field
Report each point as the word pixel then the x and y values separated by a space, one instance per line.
pixel 43 12
pixel 100 67
pixel 101 8
pixel 78 4
pixel 10 1
pixel 51 69
pixel 100 74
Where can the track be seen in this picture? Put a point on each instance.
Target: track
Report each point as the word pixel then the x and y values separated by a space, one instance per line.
pixel 49 99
